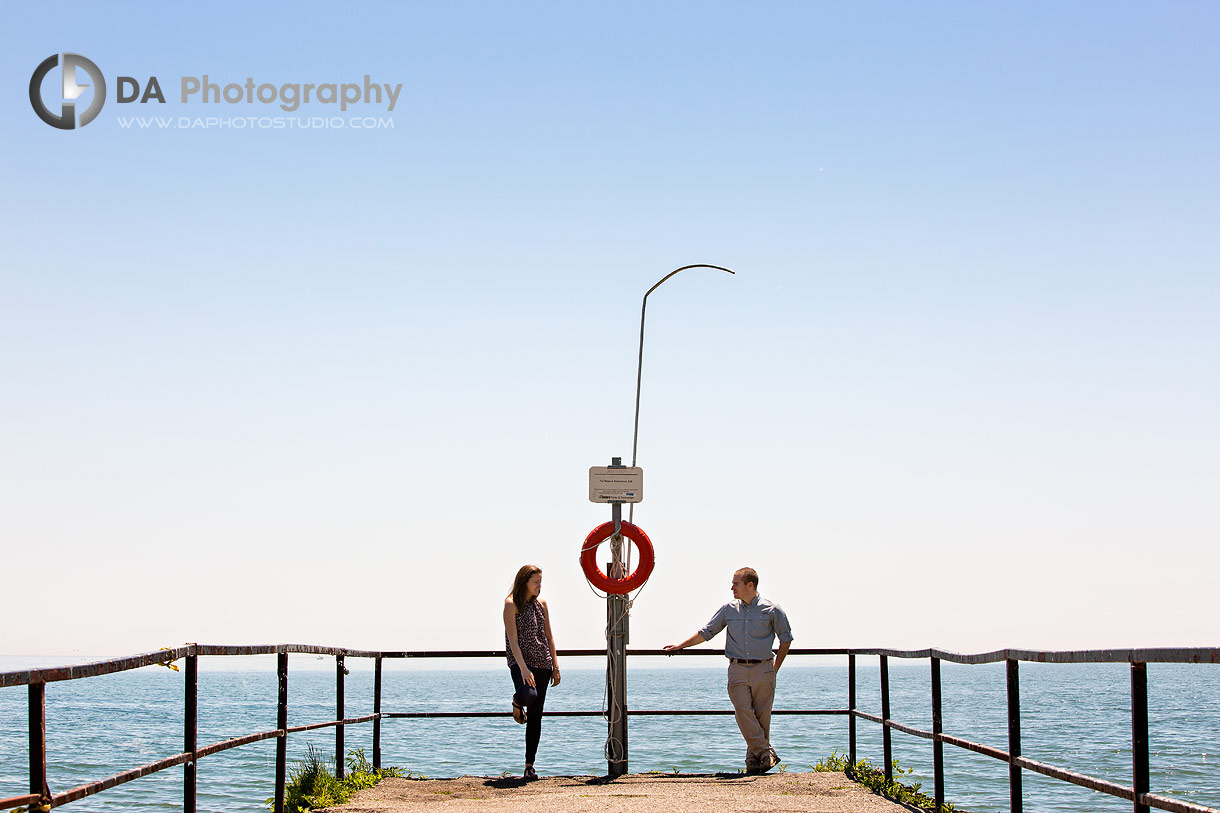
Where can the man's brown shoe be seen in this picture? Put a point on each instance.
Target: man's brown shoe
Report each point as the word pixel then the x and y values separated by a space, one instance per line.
pixel 769 761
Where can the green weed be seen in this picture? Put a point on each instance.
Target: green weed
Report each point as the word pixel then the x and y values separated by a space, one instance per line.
pixel 873 778
pixel 311 784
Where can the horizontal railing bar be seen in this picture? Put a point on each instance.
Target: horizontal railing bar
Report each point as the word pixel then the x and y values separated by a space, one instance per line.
pixel 416 715
pixel 720 652
pixel 346 721
pixel 311 649
pixel 841 712
pixel 1062 774
pixel 1173 805
pixel 58 673
pixel 1149 655
pixel 225 745
pixel 18 801
pixel 976 747
pixel 275 649
pixel 1084 781
pixel 683 712
pixel 1152 655
pixel 584 653
pixel 118 779
pixel 906 729
pixel 404 715
pixel 588 653
pixel 104 784
pixel 296 729
pixel 484 653
pixel 247 649
pixel 918 732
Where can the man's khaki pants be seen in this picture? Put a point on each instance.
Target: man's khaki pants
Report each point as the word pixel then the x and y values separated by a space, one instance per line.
pixel 752 690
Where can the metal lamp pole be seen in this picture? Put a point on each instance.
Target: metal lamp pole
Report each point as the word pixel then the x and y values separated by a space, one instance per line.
pixel 618 627
pixel 639 370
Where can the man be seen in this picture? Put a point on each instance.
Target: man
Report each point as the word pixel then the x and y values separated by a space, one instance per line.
pixel 754 623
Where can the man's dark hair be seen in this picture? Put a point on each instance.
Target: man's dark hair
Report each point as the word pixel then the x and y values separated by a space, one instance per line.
pixel 748 575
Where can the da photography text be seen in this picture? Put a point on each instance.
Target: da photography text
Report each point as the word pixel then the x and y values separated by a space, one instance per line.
pixel 80 76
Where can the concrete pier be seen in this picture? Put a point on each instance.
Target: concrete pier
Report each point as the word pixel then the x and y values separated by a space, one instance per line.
pixel 633 793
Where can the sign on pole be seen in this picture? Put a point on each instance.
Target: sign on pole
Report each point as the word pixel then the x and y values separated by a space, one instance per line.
pixel 616 484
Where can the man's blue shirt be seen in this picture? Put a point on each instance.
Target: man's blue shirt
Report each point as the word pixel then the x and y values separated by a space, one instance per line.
pixel 753 628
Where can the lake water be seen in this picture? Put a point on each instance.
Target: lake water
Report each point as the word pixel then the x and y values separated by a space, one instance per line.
pixel 1076 717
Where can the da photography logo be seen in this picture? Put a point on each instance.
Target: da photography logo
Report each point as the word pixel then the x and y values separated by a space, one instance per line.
pixel 258 102
pixel 66 118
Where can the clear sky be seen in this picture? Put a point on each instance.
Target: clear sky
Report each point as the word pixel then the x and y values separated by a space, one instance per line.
pixel 335 385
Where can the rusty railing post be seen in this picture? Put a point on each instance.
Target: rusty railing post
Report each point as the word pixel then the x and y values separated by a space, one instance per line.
pixel 938 747
pixel 190 730
pixel 38 742
pixel 377 712
pixel 340 670
pixel 281 722
pixel 1139 733
pixel 1014 736
pixel 851 708
pixel 885 718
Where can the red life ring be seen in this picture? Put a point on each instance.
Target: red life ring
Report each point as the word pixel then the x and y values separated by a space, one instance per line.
pixel 588 558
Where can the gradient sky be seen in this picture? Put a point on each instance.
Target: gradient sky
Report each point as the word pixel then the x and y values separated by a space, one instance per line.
pixel 335 386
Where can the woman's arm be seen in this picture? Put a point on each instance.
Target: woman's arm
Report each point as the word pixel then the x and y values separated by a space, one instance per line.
pixel 514 647
pixel 550 640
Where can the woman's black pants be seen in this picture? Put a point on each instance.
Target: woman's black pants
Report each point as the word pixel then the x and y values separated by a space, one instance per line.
pixel 532 699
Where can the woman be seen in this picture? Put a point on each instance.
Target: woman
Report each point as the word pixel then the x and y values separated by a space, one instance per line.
pixel 532 659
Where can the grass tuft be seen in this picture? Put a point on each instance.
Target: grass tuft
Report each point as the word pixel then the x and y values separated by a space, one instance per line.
pixel 312 784
pixel 873 778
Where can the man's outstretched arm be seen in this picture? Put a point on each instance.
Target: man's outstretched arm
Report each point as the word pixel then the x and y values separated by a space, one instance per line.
pixel 691 641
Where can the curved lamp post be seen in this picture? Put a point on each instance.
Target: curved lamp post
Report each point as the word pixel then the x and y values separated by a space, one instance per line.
pixel 617 605
pixel 639 370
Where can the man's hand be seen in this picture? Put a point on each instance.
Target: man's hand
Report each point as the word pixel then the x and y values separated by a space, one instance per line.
pixel 691 641
pixel 781 654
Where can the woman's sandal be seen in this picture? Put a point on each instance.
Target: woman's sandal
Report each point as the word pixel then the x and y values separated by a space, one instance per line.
pixel 519 712
pixel 530 773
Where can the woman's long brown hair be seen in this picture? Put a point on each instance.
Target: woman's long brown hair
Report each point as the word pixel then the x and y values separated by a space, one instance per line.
pixel 521 584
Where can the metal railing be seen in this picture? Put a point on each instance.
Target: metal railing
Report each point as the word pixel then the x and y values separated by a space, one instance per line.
pixel 1138 793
